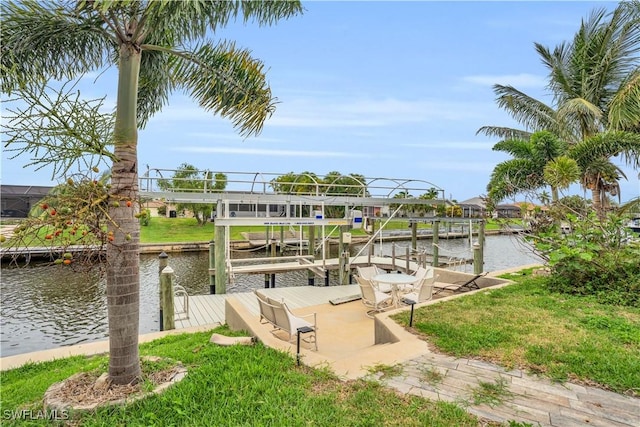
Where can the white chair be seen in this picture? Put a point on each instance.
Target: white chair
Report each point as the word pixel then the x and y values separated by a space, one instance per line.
pixel 373 298
pixel 290 323
pixel 420 274
pixel 424 293
pixel 369 272
pixel 278 315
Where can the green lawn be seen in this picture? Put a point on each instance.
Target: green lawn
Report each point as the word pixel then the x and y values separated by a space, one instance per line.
pixel 235 386
pixel 525 326
pixel 165 230
pixel 183 230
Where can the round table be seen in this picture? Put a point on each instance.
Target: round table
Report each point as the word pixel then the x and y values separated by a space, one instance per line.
pixel 395 280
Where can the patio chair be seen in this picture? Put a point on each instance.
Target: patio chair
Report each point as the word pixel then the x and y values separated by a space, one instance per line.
pixel 421 274
pixel 467 285
pixel 423 293
pixel 278 314
pixel 373 298
pixel 369 272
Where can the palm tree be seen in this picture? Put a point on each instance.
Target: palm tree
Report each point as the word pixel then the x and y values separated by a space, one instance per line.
pixel 595 81
pixel 598 173
pixel 560 173
pixel 158 46
pixel 525 171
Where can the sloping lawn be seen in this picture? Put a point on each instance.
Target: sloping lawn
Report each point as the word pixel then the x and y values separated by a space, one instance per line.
pixel 234 386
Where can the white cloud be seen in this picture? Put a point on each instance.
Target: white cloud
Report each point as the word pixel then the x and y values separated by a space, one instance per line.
pixel 371 112
pixel 460 166
pixel 265 152
pixel 230 137
pixel 521 80
pixel 462 145
pixel 342 112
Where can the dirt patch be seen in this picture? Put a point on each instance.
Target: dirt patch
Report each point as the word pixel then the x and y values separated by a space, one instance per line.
pixel 87 391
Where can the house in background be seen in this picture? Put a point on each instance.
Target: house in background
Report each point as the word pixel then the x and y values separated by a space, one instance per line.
pixel 17 200
pixel 475 207
pixel 155 206
pixel 508 211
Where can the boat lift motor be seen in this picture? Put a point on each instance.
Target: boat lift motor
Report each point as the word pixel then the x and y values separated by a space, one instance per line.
pixel 356 219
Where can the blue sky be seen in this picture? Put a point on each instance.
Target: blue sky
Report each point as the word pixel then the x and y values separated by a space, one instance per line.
pixel 382 89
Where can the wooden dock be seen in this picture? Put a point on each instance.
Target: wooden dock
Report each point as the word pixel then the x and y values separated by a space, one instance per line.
pixel 209 309
pixel 272 265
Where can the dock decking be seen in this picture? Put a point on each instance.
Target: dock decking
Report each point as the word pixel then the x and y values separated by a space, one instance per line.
pixel 209 309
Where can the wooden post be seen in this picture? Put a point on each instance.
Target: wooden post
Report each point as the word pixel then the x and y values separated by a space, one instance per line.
pixel 481 225
pixel 477 259
pixel 166 299
pixel 266 241
pixel 406 268
pixel 281 240
pixel 436 253
pixel 311 251
pixel 163 260
pixel 212 264
pixel 343 276
pixel 274 252
pixel 393 256
pixel 221 269
pixel 371 246
pixel 414 235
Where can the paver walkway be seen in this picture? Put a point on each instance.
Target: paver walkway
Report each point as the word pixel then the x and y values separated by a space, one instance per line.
pixel 526 398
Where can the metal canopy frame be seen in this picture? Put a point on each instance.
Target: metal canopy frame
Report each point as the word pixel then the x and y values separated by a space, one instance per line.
pixel 257 188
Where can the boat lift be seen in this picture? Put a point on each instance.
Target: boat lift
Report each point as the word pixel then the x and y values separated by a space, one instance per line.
pixel 306 206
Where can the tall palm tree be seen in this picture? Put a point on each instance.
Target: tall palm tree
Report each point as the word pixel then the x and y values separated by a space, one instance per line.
pixel 158 46
pixel 596 87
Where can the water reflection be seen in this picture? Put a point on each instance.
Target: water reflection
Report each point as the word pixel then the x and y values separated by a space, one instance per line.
pixel 49 306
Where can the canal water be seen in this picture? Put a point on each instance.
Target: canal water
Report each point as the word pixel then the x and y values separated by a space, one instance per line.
pixel 51 306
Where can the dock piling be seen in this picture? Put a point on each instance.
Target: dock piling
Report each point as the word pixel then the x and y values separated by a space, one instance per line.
pixel 167 310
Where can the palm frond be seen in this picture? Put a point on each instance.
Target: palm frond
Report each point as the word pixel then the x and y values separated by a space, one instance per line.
pixel 624 110
pixel 154 85
pixel 503 132
pixel 42 40
pixel 606 145
pixel 529 112
pixel 57 128
pixel 580 110
pixel 518 148
pixel 228 82
pixel 191 20
pixel 512 177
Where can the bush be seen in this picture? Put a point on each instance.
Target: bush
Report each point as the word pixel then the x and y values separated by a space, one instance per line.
pixel 145 217
pixel 596 258
pixel 614 278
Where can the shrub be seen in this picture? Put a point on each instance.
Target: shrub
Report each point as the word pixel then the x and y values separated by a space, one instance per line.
pixel 596 258
pixel 145 217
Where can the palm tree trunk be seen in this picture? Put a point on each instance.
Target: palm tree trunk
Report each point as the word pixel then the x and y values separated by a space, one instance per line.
pixel 596 199
pixel 123 275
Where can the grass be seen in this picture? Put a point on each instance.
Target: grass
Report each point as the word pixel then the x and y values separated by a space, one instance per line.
pixel 187 230
pixel 525 326
pixel 165 230
pixel 431 376
pixel 237 385
pixel 385 371
pixel 492 394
